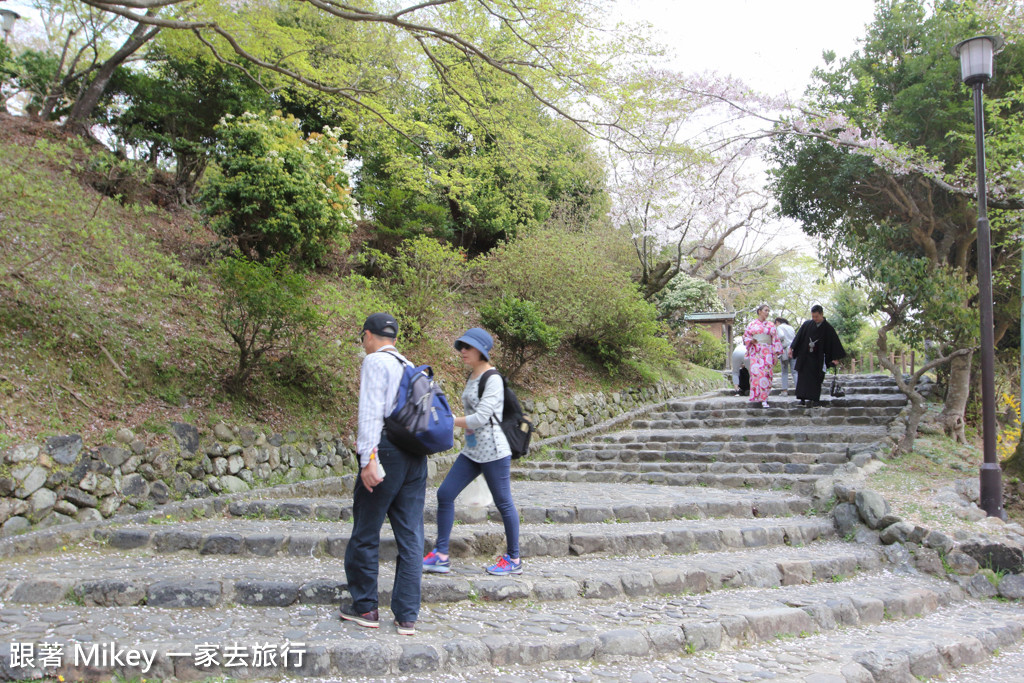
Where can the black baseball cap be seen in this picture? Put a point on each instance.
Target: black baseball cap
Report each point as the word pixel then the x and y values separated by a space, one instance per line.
pixel 382 325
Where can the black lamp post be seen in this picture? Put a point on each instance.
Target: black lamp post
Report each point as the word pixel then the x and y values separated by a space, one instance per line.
pixel 977 61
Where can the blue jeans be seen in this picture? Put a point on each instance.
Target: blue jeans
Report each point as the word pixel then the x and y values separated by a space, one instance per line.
pixel 400 498
pixel 498 475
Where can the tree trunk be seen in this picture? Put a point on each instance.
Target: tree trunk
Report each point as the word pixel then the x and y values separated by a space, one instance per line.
pixel 917 411
pixel 908 386
pixel 958 390
pixel 81 111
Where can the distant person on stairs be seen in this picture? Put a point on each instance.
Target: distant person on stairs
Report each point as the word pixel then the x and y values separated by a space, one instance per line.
pixel 391 483
pixel 740 372
pixel 786 334
pixel 815 347
pixel 487 452
pixel 763 345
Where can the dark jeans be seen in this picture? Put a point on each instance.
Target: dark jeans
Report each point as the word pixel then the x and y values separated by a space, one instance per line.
pixel 497 474
pixel 399 497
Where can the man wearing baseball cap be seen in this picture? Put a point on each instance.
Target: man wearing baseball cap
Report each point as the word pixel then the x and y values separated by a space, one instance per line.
pixel 391 483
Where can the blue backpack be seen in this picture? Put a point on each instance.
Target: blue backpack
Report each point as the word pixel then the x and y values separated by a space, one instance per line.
pixel 422 421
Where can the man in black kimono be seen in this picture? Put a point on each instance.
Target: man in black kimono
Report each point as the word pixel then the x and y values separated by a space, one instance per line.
pixel 815 347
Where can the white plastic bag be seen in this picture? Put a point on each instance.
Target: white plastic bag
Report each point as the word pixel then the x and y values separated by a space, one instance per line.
pixel 477 494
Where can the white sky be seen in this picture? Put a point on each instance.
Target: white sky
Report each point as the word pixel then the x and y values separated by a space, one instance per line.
pixel 772 45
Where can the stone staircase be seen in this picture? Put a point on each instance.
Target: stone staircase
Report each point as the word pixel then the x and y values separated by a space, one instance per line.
pixel 692 546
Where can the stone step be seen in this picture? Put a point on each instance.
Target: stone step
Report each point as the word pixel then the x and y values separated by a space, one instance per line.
pixel 759 435
pixel 881 400
pixel 633 503
pixel 775 422
pixel 736 447
pixel 691 467
pixel 230 536
pixel 758 456
pixel 962 643
pixel 790 410
pixel 109 579
pixel 469 639
pixel 854 384
pixel 800 484
pixel 1006 664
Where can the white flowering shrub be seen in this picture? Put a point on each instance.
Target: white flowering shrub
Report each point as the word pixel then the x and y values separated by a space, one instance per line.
pixel 277 191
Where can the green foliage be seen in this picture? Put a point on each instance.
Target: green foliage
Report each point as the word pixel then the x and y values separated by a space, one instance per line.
pixel 6 62
pixel 34 73
pixel 686 294
pixel 583 294
pixel 849 305
pixel 277 191
pixel 926 301
pixel 160 118
pixel 487 178
pixel 422 279
pixel 523 334
pixel 264 308
pixel 698 346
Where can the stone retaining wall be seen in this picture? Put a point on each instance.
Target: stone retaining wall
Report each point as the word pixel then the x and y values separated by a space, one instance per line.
pixel 63 480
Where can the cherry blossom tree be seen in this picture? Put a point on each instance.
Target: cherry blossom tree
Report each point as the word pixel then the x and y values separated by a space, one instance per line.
pixel 684 181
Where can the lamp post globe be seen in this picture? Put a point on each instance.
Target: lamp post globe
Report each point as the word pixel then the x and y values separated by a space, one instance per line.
pixel 7 19
pixel 977 66
pixel 977 58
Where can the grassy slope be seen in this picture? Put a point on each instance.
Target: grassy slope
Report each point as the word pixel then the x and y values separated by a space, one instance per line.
pixel 911 482
pixel 107 315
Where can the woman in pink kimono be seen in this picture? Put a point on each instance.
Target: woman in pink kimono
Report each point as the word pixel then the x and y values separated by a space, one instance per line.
pixel 763 345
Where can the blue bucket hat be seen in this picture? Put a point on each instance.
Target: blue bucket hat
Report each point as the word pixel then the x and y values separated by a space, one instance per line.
pixel 478 338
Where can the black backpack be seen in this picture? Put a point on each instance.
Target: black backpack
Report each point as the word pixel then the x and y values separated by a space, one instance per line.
pixel 512 420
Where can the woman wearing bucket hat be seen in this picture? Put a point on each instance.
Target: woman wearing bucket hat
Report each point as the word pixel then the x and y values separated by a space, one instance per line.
pixel 486 452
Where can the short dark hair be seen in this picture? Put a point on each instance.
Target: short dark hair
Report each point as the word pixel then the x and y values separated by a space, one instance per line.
pixel 781 321
pixel 816 308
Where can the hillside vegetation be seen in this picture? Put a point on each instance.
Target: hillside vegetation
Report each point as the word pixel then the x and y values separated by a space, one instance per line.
pixel 109 310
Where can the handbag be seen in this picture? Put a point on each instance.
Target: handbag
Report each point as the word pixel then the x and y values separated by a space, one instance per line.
pixel 836 391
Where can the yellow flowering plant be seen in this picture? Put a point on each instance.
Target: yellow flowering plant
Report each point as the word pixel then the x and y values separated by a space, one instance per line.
pixel 1009 436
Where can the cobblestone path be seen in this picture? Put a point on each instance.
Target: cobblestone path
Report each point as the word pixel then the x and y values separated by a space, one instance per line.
pixel 695 545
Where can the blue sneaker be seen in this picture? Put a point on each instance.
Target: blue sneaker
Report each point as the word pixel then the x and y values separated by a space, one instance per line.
pixel 433 563
pixel 505 566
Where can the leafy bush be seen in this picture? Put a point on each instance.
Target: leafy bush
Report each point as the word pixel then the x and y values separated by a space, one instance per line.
pixel 698 346
pixel 686 294
pixel 264 308
pixel 276 191
pixel 422 278
pixel 35 74
pixel 523 334
pixel 581 292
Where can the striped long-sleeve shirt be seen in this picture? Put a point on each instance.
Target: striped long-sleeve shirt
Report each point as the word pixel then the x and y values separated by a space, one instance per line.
pixel 378 395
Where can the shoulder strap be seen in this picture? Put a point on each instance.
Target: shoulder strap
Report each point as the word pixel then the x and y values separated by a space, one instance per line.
pixel 397 357
pixel 483 382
